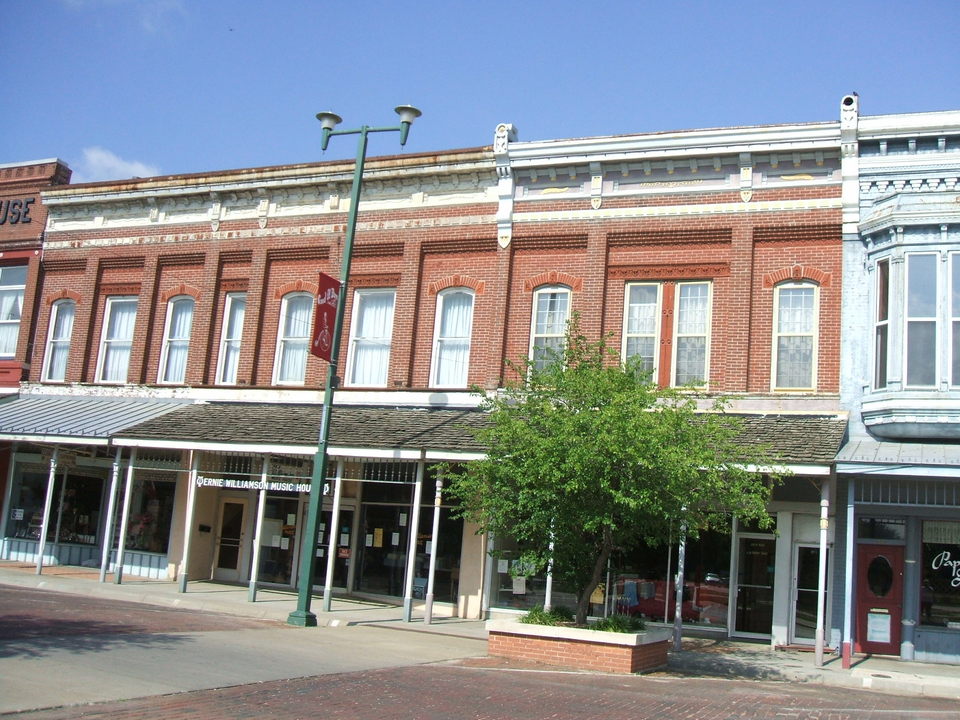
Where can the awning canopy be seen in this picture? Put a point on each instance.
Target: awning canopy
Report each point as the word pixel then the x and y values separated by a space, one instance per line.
pixel 400 433
pixel 73 420
pixel 868 456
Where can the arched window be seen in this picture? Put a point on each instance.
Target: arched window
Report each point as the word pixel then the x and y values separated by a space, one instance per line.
pixel 58 340
pixel 176 340
pixel 293 337
pixel 795 309
pixel 451 338
pixel 548 326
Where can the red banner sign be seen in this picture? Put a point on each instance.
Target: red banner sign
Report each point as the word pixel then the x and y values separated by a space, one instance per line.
pixel 325 317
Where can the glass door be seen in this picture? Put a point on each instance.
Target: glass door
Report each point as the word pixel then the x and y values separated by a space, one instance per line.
pixel 383 550
pixel 754 589
pixel 278 540
pixel 341 563
pixel 230 551
pixel 806 582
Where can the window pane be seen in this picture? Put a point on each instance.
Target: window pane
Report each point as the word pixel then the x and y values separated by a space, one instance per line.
pixel 883 290
pixel 693 304
pixel 177 344
pixel 117 339
pixel 551 312
pixel 294 341
pixel 11 305
pixel 691 360
pixel 641 325
pixel 921 286
pixel 372 332
pixel 880 358
pixel 921 352
pixel 794 361
pixel 234 312
pixel 939 599
pixel 955 315
pixel 796 315
pixel 692 310
pixel 453 339
pixel 58 346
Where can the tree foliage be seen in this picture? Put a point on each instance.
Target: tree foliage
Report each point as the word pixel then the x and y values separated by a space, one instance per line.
pixel 587 455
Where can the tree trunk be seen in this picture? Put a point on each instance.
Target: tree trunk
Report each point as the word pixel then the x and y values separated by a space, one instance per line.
pixel 583 600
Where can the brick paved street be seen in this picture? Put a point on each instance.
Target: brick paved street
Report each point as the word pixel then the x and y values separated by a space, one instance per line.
pixel 462 690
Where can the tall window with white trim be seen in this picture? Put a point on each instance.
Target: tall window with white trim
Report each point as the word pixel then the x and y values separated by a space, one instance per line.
pixel 176 340
pixel 13 279
pixel 692 333
pixel 371 333
pixel 881 333
pixel 120 315
pixel 551 312
pixel 641 325
pixel 228 360
pixel 452 333
pixel 795 336
pixel 921 320
pixel 290 366
pixel 955 319
pixel 58 340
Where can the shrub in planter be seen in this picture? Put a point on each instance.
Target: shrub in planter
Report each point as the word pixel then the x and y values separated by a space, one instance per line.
pixel 620 624
pixel 554 616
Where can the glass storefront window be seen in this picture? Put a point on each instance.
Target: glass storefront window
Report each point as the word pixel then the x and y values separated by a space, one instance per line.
pixel 881 529
pixel 940 576
pixel 278 540
pixel 519 587
pixel 151 512
pixel 74 511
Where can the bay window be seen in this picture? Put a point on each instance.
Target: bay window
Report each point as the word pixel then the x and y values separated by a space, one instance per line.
pixel 921 320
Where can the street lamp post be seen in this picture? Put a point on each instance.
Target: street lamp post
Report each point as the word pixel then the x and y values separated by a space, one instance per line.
pixel 302 616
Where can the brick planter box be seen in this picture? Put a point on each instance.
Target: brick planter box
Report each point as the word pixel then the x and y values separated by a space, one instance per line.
pixel 579 648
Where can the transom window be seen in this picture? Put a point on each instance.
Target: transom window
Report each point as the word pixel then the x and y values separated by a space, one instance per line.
pixel 290 366
pixel 795 336
pixel 58 340
pixel 452 334
pixel 120 315
pixel 551 312
pixel 176 340
pixel 371 332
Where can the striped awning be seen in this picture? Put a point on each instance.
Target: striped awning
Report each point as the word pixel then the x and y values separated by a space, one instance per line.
pixel 66 419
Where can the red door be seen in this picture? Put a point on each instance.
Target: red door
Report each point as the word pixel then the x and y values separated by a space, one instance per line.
pixel 879 598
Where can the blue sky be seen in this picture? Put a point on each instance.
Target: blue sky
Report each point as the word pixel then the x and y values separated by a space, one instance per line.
pixel 118 88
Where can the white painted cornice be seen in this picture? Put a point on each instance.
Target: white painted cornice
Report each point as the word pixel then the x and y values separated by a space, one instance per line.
pixel 687 143
pixel 906 125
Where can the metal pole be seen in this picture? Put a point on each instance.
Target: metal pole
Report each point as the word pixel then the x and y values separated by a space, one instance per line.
pixel 847 652
pixel 488 571
pixel 434 537
pixel 63 491
pixel 822 570
pixel 48 501
pixel 548 589
pixel 124 520
pixel 334 532
pixel 302 615
pixel 258 532
pixel 414 525
pixel 678 588
pixel 111 511
pixel 188 523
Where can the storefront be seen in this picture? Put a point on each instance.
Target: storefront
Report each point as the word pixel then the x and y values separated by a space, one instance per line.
pixel 903 585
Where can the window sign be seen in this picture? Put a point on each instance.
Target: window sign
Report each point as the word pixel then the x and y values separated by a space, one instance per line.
pixel 940 570
pixel 878 627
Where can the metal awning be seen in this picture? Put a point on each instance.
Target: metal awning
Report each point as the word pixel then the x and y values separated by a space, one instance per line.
pixel 73 420
pixel 867 456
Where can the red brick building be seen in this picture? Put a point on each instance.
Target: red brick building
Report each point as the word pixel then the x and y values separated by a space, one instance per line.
pixel 714 254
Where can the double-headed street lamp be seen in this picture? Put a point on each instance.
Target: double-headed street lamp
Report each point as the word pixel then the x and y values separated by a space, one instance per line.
pixel 328 122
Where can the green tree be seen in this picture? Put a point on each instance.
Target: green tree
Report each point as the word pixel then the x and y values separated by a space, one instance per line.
pixel 587 455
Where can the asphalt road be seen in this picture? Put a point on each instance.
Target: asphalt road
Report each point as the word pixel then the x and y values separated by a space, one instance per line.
pixel 81 657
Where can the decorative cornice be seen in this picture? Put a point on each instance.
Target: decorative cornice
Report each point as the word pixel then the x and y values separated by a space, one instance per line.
pixel 666 271
pixel 296 286
pixel 797 273
pixel 181 289
pixel 553 277
pixel 457 281
pixel 375 280
pixel 64 295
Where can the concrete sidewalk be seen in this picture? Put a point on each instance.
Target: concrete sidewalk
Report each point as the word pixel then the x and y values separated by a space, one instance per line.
pixel 701 657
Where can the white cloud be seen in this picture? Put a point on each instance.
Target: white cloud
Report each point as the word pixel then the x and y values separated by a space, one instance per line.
pixel 100 164
pixel 153 16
